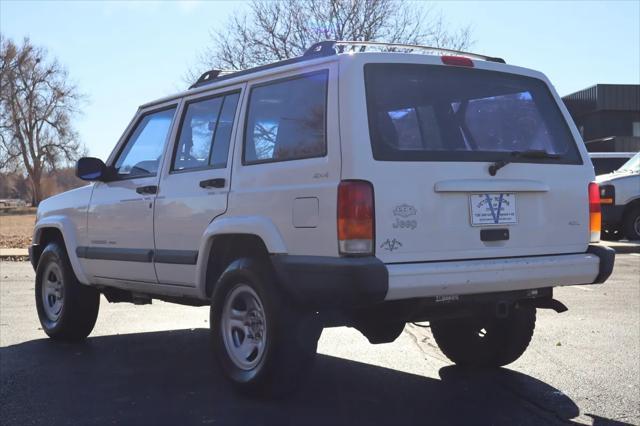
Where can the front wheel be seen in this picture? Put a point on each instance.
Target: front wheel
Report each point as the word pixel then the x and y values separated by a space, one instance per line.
pixel 66 308
pixel 264 345
pixel 486 341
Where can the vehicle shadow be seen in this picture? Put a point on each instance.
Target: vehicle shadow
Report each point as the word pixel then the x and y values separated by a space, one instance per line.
pixel 169 378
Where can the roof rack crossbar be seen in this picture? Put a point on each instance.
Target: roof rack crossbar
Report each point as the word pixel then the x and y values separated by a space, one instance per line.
pixel 328 47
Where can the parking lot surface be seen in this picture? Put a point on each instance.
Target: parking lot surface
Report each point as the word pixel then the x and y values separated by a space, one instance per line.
pixel 153 365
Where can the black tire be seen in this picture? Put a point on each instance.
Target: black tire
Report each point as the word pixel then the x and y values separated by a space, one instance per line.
pixel 290 336
pixel 486 341
pixel 631 223
pixel 78 307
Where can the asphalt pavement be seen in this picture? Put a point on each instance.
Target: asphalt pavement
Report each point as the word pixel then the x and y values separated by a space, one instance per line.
pixel 153 365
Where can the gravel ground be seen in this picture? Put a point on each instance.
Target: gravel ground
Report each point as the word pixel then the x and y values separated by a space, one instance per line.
pixel 16 230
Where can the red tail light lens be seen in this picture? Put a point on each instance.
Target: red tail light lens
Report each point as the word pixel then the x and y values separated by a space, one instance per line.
pixel 459 61
pixel 595 215
pixel 355 217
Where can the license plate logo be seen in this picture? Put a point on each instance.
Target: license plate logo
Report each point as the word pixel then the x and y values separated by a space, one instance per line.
pixel 493 209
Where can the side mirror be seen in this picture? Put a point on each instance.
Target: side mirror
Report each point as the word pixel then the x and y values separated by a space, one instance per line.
pixel 90 168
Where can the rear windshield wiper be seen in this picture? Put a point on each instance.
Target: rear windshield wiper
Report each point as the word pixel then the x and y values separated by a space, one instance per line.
pixel 531 153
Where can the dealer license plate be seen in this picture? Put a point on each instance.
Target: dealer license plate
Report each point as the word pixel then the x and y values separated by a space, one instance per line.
pixel 493 209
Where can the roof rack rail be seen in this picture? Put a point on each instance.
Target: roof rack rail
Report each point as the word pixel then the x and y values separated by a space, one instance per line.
pixel 210 75
pixel 206 77
pixel 217 75
pixel 328 47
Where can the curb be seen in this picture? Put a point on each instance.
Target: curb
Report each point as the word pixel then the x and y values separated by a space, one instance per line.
pixel 14 255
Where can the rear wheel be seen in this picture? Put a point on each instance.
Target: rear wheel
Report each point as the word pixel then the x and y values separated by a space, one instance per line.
pixel 264 345
pixel 486 341
pixel 66 308
pixel 631 223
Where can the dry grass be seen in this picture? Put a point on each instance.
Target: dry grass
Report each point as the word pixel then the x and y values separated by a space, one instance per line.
pixel 16 230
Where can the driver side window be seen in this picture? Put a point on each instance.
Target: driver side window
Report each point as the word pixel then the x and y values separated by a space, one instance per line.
pixel 143 151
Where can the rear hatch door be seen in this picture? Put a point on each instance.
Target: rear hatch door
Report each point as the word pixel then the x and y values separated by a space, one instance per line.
pixel 471 163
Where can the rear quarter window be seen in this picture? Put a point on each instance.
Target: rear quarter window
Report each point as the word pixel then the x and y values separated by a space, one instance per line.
pixel 286 120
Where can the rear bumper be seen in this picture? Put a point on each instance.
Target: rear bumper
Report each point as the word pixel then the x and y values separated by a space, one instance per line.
pixel 352 282
pixel 418 280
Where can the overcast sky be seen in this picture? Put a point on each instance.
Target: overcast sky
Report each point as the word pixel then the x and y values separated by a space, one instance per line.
pixel 123 54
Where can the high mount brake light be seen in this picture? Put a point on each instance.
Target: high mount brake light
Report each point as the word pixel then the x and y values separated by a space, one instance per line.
pixel 595 214
pixel 355 217
pixel 459 61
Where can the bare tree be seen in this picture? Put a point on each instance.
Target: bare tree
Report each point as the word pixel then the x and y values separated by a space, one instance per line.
pixel 272 31
pixel 37 103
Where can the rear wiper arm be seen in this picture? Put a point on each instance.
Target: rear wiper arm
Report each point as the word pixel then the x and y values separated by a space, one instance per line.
pixel 531 153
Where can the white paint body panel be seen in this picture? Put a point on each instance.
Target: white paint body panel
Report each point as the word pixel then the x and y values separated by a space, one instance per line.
pixel 271 189
pixel 552 199
pixel 183 209
pixel 119 217
pixel 67 212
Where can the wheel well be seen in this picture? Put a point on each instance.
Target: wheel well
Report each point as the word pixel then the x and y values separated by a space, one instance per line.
pixel 229 247
pixel 47 235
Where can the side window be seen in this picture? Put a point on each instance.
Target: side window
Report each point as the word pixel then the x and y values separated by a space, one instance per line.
pixel 205 134
pixel 142 153
pixel 286 120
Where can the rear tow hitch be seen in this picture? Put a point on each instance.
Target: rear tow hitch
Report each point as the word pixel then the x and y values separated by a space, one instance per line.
pixel 554 304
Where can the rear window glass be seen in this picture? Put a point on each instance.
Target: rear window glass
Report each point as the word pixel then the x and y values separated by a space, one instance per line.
pixel 438 113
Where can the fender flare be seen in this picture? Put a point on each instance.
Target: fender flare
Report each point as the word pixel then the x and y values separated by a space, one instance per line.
pixel 69 237
pixel 259 226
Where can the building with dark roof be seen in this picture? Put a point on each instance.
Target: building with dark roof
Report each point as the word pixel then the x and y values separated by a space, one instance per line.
pixel 608 116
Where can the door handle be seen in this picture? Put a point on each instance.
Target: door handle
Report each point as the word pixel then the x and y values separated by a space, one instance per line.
pixel 213 183
pixel 145 190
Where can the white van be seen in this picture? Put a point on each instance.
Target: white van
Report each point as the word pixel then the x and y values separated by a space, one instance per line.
pixel 365 189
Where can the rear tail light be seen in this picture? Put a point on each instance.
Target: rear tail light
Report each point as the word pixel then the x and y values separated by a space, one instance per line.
pixel 595 215
pixel 459 61
pixel 355 217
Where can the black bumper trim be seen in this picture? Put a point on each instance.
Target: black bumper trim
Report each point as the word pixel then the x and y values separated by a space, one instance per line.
pixel 607 257
pixel 332 281
pixel 34 252
pixel 177 257
pixel 118 254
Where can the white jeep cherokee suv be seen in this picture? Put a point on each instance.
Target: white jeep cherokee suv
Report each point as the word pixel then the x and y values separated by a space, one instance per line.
pixel 338 188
